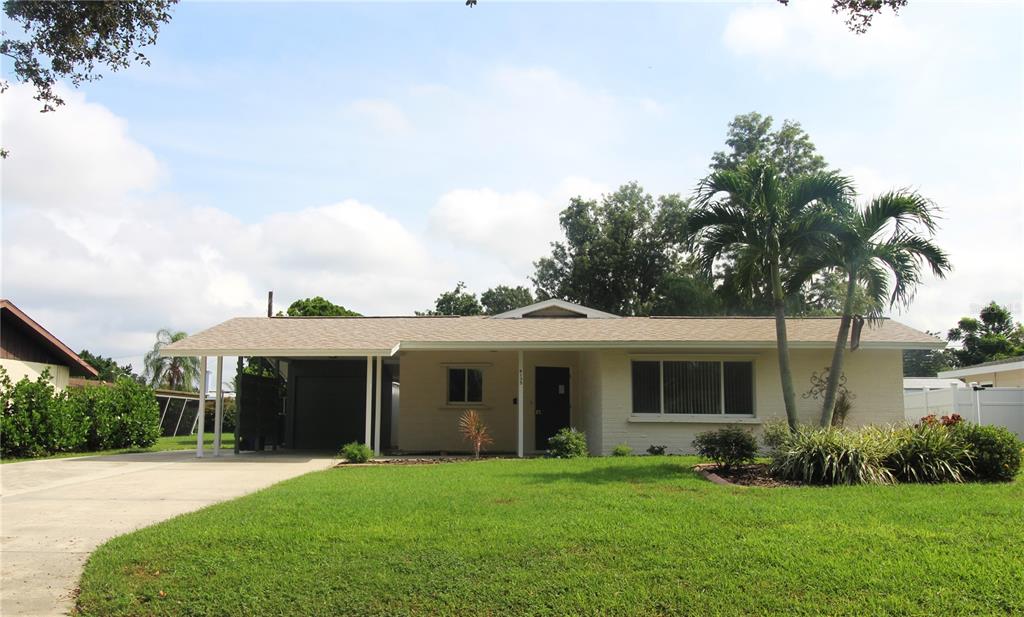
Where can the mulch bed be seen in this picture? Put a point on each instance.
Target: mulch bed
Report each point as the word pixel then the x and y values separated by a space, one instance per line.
pixel 746 475
pixel 408 460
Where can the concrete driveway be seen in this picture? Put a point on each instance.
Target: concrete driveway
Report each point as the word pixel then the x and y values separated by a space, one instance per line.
pixel 53 513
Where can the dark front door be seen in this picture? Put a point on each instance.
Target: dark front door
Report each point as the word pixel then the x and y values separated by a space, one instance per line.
pixel 551 391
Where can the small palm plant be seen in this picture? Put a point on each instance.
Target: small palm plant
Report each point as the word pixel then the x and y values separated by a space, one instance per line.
pixel 474 431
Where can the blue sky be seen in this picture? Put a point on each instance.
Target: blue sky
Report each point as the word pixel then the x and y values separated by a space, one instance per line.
pixel 378 153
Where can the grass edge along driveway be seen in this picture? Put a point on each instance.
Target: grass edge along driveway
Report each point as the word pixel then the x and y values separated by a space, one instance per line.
pixel 603 536
pixel 163 444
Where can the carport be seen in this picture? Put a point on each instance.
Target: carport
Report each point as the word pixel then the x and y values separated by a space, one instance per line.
pixel 331 395
pixel 313 403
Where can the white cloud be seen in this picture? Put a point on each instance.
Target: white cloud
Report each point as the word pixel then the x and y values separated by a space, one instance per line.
pixel 383 115
pixel 514 228
pixel 982 233
pixel 980 229
pixel 807 34
pixel 79 154
pixel 104 266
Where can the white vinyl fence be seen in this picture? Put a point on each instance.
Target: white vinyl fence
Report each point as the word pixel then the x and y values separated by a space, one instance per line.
pixel 999 406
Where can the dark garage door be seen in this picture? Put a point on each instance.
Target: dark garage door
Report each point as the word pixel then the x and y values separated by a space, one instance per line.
pixel 328 403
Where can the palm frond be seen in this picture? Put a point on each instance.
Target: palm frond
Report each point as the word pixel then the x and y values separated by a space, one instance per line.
pixel 904 209
pixel 829 188
pixel 730 182
pixel 874 280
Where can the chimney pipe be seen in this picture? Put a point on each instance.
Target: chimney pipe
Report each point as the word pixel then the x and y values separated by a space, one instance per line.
pixel 270 304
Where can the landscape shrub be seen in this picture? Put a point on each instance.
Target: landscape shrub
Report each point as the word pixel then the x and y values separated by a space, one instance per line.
pixel 568 443
pixel 655 450
pixel 727 447
pixel 843 407
pixel 83 403
pixel 928 452
pixel 473 430
pixel 356 452
pixel 622 449
pixel 228 419
pixel 995 451
pixel 34 422
pixel 835 455
pixel 932 419
pixel 774 434
pixel 37 421
pixel 135 414
pixel 123 415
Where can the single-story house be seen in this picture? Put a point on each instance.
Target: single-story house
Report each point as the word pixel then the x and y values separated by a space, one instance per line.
pixel 532 371
pixel 1005 373
pixel 27 349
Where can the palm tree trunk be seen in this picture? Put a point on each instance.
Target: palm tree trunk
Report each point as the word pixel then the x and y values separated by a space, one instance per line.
pixel 835 371
pixel 782 342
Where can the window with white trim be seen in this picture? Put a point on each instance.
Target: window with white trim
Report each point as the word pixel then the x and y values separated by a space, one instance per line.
pixel 465 385
pixel 693 387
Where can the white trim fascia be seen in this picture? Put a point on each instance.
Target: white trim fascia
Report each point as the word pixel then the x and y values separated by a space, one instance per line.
pixel 533 345
pixel 278 353
pixel 982 370
pixel 570 345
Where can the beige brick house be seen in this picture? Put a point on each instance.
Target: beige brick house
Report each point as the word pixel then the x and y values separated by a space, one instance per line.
pixel 401 383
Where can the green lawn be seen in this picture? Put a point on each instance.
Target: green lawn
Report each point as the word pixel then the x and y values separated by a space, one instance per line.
pixel 609 536
pixel 163 444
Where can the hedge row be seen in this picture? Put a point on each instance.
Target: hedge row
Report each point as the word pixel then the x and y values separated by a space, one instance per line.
pixel 37 421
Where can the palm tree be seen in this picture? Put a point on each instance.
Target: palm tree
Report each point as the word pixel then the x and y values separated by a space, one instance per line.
pixel 764 224
pixel 891 235
pixel 177 373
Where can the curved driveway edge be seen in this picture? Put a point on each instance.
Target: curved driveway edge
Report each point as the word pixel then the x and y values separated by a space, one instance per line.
pixel 53 513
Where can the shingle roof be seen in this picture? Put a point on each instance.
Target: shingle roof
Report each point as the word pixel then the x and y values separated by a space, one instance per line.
pixel 338 336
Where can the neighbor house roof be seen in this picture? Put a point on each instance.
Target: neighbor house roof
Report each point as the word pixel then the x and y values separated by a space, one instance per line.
pixel 24 339
pixel 995 366
pixel 353 336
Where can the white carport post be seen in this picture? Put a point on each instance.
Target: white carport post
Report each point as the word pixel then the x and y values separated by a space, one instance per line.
pixel 201 411
pixel 519 407
pixel 377 410
pixel 369 399
pixel 218 414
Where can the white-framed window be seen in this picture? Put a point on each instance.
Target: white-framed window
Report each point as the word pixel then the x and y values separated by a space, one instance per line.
pixel 465 385
pixel 693 387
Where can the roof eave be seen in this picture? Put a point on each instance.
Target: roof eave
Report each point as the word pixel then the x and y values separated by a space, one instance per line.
pixel 570 345
pixel 983 370
pixel 78 367
pixel 170 352
pixel 524 345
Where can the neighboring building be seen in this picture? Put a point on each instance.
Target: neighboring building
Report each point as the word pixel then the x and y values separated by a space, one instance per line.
pixel 532 371
pixel 920 384
pixel 1005 373
pixel 27 349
